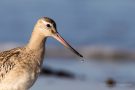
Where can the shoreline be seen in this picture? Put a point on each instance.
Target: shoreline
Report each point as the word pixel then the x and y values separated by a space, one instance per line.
pixel 89 52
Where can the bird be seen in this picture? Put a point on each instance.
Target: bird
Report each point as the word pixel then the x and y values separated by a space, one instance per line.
pixel 21 66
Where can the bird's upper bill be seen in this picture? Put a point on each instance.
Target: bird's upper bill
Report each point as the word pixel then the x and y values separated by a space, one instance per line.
pixel 49 28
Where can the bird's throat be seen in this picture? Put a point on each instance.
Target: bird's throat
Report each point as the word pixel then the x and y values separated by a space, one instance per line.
pixel 37 41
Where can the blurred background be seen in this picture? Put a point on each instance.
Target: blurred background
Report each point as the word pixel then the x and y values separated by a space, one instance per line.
pixel 102 30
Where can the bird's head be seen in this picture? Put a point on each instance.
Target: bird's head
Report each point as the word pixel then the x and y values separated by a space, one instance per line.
pixel 48 28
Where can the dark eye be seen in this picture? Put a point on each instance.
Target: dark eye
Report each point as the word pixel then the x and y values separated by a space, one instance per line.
pixel 48 25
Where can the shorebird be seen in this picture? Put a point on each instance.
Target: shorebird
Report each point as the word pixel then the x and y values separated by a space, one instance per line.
pixel 20 67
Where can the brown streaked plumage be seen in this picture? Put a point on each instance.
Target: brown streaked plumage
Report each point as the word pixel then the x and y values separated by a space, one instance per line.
pixel 20 67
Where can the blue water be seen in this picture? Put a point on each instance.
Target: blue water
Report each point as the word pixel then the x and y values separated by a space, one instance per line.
pixel 90 75
pixel 80 22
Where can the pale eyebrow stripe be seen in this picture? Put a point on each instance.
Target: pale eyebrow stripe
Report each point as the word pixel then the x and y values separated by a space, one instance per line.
pixel 44 22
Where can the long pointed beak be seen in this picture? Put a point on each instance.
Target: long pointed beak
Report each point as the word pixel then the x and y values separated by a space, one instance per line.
pixel 62 41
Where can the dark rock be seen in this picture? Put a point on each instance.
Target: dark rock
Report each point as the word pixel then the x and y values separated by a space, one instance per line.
pixel 110 82
pixel 58 73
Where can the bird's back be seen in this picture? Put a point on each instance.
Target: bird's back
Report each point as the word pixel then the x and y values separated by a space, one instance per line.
pixel 18 69
pixel 7 61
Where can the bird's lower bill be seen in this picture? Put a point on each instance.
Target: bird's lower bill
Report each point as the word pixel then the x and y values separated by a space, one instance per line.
pixel 62 41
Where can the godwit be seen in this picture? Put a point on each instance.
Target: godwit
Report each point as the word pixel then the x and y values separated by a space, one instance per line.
pixel 20 67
